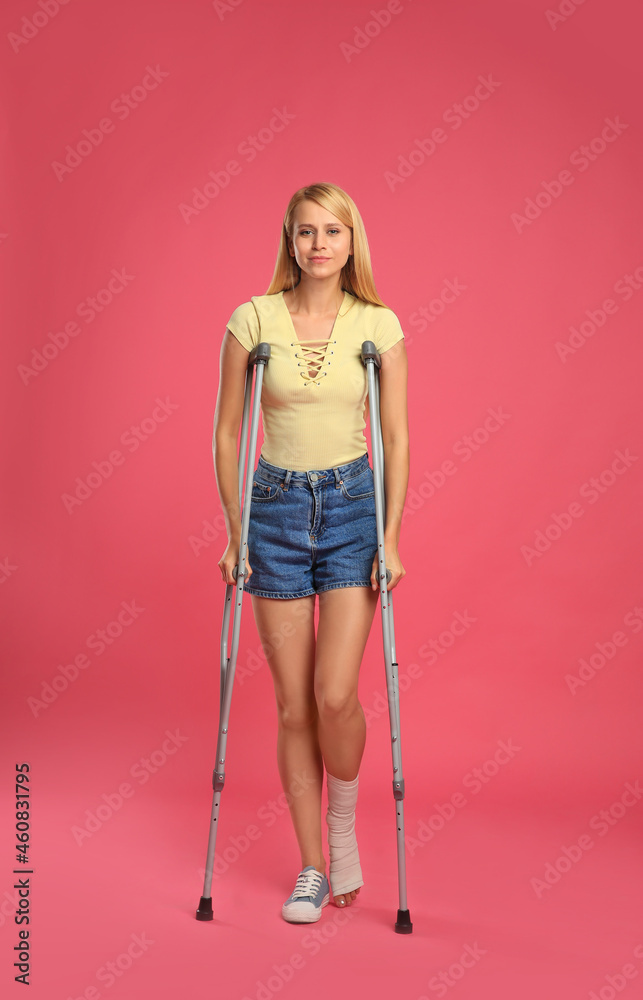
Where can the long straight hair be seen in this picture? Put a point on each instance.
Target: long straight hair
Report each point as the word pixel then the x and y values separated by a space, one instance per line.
pixel 357 273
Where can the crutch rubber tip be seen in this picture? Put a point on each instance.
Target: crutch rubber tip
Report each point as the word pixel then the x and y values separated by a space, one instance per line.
pixel 403 924
pixel 205 909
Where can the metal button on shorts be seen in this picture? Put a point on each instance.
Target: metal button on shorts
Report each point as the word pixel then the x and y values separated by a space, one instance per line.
pixel 311 531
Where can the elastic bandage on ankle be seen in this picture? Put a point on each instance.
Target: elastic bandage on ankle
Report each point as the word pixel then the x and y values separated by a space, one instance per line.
pixel 345 871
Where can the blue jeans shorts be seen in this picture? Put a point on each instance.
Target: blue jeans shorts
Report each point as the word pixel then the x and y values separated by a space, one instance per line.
pixel 311 531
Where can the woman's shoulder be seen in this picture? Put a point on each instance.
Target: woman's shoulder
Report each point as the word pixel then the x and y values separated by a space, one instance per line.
pixel 255 304
pixel 258 305
pixel 372 309
pixel 243 315
pixel 246 321
pixel 381 320
pixel 244 324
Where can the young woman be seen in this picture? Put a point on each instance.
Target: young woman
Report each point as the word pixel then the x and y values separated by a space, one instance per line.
pixel 312 518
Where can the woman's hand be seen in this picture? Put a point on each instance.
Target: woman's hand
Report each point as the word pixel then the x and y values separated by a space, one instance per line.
pixel 229 560
pixel 393 563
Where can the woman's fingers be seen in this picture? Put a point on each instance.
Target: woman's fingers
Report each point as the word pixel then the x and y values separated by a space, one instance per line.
pixel 227 569
pixel 396 575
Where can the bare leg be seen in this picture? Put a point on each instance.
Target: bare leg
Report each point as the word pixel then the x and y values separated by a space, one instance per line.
pixel 287 631
pixel 345 619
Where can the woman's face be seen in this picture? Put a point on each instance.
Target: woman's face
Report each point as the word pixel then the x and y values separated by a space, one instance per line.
pixel 319 234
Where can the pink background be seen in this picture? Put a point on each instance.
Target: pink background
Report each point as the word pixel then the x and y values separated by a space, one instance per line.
pixel 151 532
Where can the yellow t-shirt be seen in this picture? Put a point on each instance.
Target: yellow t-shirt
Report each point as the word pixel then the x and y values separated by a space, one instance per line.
pixel 314 421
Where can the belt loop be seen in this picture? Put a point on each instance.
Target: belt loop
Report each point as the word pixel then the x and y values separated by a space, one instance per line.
pixel 338 479
pixel 287 480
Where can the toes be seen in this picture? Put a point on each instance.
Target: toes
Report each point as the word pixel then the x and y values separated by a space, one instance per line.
pixel 345 899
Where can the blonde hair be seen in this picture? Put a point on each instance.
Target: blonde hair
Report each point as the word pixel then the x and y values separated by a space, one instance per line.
pixel 357 273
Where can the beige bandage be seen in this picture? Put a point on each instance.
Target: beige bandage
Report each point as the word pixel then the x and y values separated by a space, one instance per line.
pixel 345 872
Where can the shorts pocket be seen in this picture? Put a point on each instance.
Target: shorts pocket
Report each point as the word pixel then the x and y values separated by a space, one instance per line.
pixel 262 492
pixel 359 487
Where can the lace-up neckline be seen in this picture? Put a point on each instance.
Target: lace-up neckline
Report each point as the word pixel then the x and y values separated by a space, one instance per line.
pixel 315 358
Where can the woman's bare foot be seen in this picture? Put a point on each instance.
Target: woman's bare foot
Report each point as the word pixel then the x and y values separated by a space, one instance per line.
pixel 345 899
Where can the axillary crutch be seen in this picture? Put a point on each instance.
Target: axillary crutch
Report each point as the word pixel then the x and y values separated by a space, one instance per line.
pixel 257 360
pixel 371 359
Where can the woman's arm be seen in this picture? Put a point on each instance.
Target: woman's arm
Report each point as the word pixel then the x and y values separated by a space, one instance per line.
pixel 395 437
pixel 233 364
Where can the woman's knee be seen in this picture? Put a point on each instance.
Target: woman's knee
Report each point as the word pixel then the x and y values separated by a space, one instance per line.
pixel 336 703
pixel 297 717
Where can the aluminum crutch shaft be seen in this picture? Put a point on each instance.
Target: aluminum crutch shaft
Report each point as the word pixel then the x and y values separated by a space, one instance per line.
pixel 371 359
pixel 257 359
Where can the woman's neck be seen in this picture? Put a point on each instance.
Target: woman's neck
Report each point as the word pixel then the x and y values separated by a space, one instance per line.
pixel 315 298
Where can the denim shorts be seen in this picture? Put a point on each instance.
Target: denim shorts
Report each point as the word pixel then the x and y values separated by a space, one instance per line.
pixel 311 531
